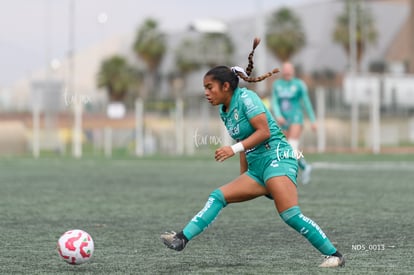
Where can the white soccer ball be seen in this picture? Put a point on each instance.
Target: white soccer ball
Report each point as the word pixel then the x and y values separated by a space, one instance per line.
pixel 75 246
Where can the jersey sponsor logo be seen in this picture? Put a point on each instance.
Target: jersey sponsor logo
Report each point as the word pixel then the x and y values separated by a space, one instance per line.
pixel 229 122
pixel 274 163
pixel 234 131
pixel 286 92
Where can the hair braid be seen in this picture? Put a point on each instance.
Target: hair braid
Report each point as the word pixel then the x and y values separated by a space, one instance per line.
pixel 250 67
pixel 259 78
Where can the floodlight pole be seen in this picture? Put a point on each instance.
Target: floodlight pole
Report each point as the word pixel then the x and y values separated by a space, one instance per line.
pixel 36 126
pixel 48 23
pixel 77 126
pixel 375 104
pixel 139 127
pixel 375 121
pixel 320 104
pixel 352 68
pixel 178 85
pixel 411 31
pixel 179 125
pixel 261 50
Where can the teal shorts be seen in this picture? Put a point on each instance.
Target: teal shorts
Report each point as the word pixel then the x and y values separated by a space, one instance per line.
pixel 294 118
pixel 266 167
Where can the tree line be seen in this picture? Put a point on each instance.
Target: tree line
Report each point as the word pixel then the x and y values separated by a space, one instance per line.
pixel 285 37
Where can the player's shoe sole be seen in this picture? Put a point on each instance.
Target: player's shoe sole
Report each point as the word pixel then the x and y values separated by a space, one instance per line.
pixel 171 240
pixel 333 261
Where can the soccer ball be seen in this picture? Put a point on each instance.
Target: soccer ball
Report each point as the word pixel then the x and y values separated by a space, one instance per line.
pixel 75 246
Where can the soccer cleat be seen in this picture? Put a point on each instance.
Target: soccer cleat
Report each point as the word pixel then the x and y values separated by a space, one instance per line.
pixel 171 240
pixel 333 261
pixel 306 174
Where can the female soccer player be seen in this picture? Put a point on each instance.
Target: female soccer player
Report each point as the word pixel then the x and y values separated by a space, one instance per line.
pixel 288 94
pixel 267 164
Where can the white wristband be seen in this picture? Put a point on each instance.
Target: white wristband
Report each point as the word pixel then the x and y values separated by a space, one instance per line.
pixel 237 148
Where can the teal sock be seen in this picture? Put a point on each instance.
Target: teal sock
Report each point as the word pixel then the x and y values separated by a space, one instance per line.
pixel 206 216
pixel 309 229
pixel 302 163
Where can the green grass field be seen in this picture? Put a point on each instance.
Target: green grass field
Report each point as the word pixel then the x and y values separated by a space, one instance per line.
pixel 362 202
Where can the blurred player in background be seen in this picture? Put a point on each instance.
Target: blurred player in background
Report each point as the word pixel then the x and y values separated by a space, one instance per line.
pixel 265 167
pixel 289 96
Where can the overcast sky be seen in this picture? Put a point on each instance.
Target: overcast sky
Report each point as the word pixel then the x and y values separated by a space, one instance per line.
pixel 33 31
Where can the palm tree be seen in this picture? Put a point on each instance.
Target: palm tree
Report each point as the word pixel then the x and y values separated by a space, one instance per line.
pixel 150 46
pixel 285 35
pixel 187 57
pixel 366 32
pixel 117 76
pixel 216 49
pixel 209 49
pixel 186 62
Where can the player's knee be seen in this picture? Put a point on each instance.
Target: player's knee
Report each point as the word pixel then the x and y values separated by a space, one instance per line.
pixel 218 196
pixel 290 216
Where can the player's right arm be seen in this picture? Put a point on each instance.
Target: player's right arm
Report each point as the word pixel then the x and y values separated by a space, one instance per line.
pixel 307 103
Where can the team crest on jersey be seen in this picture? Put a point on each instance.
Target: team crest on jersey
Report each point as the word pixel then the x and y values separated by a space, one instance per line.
pixel 236 115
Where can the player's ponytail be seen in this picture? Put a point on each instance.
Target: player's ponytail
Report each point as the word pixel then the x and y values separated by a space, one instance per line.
pixel 250 67
pixel 245 75
pixel 231 75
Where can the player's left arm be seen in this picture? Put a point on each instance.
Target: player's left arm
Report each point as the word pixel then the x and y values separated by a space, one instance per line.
pixel 261 133
pixel 308 105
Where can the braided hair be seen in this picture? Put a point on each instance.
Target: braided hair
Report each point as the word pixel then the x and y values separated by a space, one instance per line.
pixel 250 67
pixel 231 75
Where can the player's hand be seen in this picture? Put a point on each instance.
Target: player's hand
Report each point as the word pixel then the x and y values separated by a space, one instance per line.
pixel 223 153
pixel 281 121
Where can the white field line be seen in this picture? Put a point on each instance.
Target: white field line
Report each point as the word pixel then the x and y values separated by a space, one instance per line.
pixel 383 165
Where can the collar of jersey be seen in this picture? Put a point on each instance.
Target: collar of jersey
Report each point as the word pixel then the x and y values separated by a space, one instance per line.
pixel 233 101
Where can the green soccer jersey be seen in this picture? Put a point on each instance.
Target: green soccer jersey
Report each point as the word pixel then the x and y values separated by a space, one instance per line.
pixel 246 104
pixel 287 98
